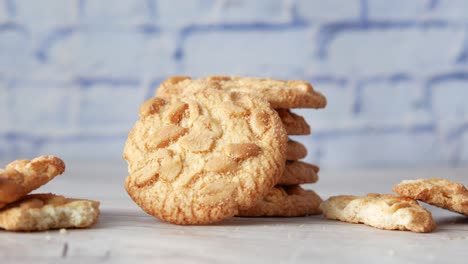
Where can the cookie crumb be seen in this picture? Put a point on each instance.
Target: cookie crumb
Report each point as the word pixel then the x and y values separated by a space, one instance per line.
pixel 63 231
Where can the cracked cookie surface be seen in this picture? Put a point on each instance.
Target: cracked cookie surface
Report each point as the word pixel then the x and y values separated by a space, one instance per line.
pixel 199 158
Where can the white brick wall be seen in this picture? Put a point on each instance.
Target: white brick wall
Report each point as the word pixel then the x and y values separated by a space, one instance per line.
pixel 330 10
pixel 42 107
pixel 367 52
pixel 46 14
pixel 111 54
pixel 449 102
pixel 105 107
pixel 73 73
pixel 273 52
pixel 398 9
pixel 392 103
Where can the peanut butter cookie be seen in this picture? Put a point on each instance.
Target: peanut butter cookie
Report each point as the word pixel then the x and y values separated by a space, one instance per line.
pixel 294 124
pixel 23 176
pixel 439 192
pixel 280 94
pixel 199 158
pixel 37 212
pixel 382 211
pixel 286 201
pixel 295 150
pixel 298 172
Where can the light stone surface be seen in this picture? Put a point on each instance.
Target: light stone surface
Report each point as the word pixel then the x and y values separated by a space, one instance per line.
pixel 126 234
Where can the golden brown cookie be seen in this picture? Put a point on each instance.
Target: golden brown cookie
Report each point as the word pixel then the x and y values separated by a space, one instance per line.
pixel 382 211
pixel 298 172
pixel 23 176
pixel 280 94
pixel 199 159
pixel 38 212
pixel 295 150
pixel 439 192
pixel 286 201
pixel 294 124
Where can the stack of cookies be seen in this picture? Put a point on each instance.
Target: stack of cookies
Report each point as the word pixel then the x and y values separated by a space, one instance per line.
pixel 208 149
pixel 20 211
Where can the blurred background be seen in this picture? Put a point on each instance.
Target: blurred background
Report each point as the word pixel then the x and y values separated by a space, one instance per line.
pixel 73 73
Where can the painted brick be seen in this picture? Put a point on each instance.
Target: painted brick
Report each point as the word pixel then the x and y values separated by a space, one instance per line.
pixel 449 101
pixel 337 114
pixel 268 11
pixel 388 149
pixel 455 10
pixel 110 12
pixel 387 102
pixel 46 14
pixel 3 12
pixel 131 53
pixel 389 51
pixel 6 151
pixel 4 125
pixel 397 9
pixel 99 148
pixel 15 52
pixel 317 10
pixel 278 53
pixel 41 107
pixel 107 107
pixel 464 152
pixel 16 146
pixel 180 13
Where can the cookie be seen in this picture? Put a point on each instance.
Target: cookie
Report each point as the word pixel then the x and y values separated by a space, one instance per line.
pixel 294 124
pixel 381 211
pixel 38 212
pixel 285 201
pixel 23 176
pixel 280 94
pixel 439 192
pixel 199 159
pixel 298 172
pixel 295 150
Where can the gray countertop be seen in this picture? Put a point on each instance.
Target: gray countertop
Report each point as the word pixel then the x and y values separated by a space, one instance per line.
pixel 125 233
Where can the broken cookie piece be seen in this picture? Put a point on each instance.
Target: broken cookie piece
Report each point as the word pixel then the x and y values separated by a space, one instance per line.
pixel 382 211
pixel 446 194
pixel 23 176
pixel 38 212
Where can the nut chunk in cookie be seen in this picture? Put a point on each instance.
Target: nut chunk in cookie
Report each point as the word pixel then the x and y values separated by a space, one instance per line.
pixel 37 212
pixel 199 158
pixel 439 192
pixel 382 211
pixel 23 176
